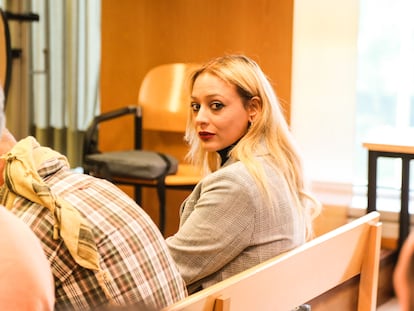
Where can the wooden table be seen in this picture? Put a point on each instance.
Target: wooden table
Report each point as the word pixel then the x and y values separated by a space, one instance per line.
pixel 398 150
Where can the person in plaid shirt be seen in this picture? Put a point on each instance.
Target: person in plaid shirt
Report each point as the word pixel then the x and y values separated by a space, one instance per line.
pixel 117 257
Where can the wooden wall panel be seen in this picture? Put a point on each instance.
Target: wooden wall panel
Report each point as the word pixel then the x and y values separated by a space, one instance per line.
pixel 140 34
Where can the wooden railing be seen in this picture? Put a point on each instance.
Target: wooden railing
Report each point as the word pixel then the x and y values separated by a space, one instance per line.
pixel 300 275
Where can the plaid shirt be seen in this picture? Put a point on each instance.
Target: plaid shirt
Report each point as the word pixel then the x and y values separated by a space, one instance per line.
pixel 133 252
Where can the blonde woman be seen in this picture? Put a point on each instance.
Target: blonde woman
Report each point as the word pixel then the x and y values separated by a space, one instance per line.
pixel 252 204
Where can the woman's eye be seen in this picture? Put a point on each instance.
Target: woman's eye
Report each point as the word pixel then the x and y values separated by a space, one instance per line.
pixel 216 106
pixel 195 107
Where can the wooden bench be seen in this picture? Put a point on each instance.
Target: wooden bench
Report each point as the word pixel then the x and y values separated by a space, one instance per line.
pixel 298 276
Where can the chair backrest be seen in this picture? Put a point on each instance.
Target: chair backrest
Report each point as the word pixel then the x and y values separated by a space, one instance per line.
pixel 298 276
pixel 164 97
pixel 5 53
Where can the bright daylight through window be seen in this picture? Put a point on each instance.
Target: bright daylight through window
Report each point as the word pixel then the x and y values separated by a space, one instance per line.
pixel 385 87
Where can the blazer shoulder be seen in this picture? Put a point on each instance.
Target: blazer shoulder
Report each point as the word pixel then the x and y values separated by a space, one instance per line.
pixel 236 173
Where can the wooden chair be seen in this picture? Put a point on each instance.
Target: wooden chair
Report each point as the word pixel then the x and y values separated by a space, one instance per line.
pixel 5 53
pixel 298 276
pixel 163 105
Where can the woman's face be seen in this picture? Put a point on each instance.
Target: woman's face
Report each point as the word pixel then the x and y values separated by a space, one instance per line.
pixel 219 115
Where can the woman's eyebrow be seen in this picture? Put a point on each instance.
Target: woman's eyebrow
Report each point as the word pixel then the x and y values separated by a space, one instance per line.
pixel 208 95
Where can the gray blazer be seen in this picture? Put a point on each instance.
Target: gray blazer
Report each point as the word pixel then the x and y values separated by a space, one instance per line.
pixel 226 226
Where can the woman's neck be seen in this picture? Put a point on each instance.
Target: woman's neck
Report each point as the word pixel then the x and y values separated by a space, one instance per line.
pixel 224 153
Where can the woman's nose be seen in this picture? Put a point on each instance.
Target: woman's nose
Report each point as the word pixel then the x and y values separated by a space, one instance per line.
pixel 201 116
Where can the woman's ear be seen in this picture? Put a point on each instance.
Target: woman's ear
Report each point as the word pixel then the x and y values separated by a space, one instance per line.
pixel 254 108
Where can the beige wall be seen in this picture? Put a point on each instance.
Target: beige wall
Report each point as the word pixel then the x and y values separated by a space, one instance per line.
pixel 324 75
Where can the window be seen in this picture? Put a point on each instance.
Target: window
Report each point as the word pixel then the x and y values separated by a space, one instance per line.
pixel 385 86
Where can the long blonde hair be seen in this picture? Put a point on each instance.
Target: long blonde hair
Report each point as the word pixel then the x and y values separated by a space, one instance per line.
pixel 268 135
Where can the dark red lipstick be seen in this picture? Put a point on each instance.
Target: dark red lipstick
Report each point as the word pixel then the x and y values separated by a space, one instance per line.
pixel 205 135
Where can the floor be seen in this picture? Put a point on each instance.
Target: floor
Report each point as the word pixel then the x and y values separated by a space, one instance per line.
pixel 391 305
